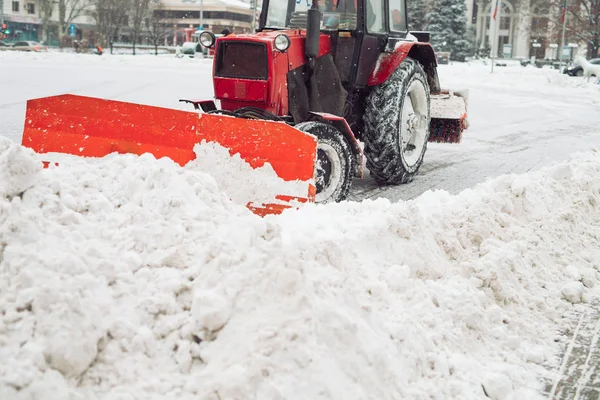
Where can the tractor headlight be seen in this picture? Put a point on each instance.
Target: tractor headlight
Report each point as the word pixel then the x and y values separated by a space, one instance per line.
pixel 282 42
pixel 207 39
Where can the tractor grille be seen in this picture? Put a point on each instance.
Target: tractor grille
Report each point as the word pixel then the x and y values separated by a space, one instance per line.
pixel 243 60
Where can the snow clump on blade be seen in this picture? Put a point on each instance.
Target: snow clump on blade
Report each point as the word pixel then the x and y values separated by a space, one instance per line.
pixel 239 180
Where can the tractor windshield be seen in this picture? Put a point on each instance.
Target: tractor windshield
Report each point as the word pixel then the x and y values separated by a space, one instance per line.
pixel 337 14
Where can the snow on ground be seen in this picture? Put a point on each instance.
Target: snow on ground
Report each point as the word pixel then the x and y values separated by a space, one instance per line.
pixel 130 277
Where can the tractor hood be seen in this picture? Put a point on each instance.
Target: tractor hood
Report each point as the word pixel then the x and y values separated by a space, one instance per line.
pixel 249 70
pixel 295 52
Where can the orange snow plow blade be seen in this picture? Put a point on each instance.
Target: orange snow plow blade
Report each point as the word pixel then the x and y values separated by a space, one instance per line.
pixel 91 127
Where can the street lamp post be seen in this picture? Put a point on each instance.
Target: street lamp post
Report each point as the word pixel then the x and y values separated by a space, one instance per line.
pixel 201 15
pixel 253 6
pixel 495 18
pixel 562 42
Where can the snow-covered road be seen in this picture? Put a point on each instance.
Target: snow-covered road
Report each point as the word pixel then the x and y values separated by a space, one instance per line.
pixel 521 118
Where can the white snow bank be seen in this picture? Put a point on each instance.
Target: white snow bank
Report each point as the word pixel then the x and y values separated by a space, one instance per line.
pixel 132 278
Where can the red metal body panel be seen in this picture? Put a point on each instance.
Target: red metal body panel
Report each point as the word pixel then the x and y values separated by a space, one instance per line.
pixel 278 93
pixel 388 62
pixel 341 125
pixel 270 94
pixel 241 89
pixel 296 50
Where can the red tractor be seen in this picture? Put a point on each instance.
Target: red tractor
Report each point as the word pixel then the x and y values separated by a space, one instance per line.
pixel 345 71
pixel 317 88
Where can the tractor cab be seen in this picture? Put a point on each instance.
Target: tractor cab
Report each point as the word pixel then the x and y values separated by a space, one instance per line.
pixel 359 30
pixel 343 15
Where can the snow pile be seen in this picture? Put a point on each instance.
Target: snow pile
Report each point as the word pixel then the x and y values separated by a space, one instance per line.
pixel 239 180
pixel 451 106
pixel 131 278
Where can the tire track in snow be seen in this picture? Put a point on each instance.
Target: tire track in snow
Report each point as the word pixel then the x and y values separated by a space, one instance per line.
pixel 578 377
pixel 589 368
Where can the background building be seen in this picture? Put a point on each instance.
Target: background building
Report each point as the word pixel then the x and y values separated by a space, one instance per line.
pixel 528 28
pixel 94 20
pixel 39 20
pixel 22 18
pixel 217 15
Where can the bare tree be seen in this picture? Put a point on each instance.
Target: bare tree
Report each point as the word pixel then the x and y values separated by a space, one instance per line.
pixel 68 11
pixel 110 16
pixel 583 23
pixel 156 24
pixel 46 8
pixel 140 14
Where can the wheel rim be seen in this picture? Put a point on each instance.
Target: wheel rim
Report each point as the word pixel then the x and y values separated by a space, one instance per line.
pixel 413 130
pixel 328 172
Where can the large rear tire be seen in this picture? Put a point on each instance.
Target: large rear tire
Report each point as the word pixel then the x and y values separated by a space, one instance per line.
pixel 335 162
pixel 397 118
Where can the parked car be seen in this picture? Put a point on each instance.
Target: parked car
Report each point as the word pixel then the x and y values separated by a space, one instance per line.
pixel 189 48
pixel 29 45
pixel 577 70
pixel 4 45
pixel 443 57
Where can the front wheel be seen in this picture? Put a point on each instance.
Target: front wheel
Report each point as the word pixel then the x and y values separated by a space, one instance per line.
pixel 335 162
pixel 397 119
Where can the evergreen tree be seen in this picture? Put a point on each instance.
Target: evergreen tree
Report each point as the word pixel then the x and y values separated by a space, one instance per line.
pixel 461 45
pixel 417 20
pixel 439 23
pixel 447 22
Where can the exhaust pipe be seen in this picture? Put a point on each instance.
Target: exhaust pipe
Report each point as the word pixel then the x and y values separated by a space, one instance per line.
pixel 313 33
